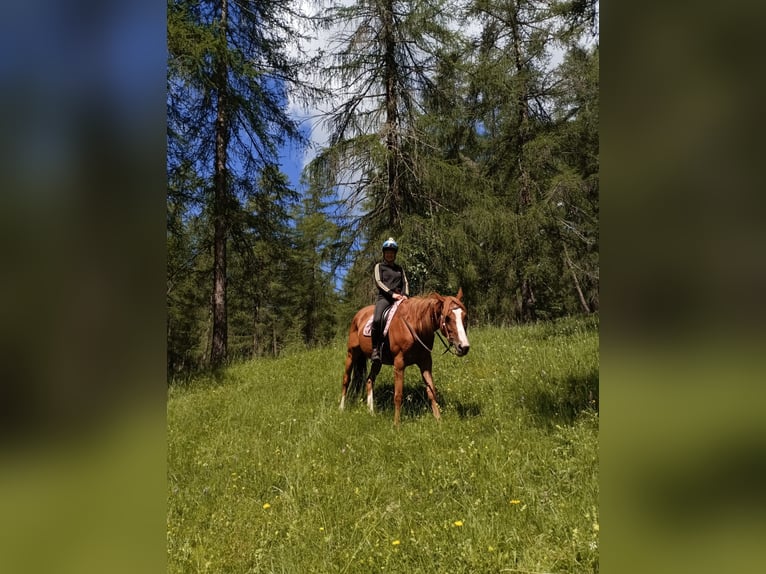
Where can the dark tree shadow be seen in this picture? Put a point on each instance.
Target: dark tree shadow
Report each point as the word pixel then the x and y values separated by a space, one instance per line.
pixel 467 410
pixel 415 401
pixel 204 375
pixel 563 401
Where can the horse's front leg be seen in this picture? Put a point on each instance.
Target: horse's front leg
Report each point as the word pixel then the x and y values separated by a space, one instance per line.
pixel 431 390
pixel 398 391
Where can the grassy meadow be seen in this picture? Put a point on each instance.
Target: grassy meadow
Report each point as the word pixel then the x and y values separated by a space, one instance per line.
pixel 265 474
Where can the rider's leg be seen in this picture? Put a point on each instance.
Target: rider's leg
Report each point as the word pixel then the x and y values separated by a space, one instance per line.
pixel 377 328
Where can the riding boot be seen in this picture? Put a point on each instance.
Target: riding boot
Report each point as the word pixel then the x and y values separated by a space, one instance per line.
pixel 375 345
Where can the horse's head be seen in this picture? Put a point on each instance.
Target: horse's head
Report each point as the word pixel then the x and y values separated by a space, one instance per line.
pixel 453 322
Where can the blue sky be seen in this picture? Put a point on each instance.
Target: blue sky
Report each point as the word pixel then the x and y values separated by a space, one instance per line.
pixel 291 157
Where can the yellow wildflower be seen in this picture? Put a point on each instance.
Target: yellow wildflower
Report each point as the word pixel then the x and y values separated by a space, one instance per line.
pixel 514 501
pixel 266 506
pixel 396 542
pixel 458 523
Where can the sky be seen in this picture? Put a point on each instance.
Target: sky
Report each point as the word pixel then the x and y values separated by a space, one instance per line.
pixel 293 158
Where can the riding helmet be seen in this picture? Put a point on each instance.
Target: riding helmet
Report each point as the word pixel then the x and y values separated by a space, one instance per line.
pixel 390 244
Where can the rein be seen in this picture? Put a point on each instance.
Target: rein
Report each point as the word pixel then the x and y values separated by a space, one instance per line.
pixel 414 334
pixel 447 349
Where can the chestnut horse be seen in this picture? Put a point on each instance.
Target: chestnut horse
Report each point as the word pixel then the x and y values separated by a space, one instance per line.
pixel 409 342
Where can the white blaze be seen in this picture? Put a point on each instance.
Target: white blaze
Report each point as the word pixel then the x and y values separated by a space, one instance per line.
pixel 462 337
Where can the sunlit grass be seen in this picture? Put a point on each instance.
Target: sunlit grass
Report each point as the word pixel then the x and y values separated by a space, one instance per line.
pixel 265 474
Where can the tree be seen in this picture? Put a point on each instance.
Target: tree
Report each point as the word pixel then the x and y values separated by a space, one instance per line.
pixel 453 130
pixel 575 188
pixel 188 290
pixel 511 141
pixel 517 96
pixel 382 55
pixel 262 301
pixel 315 242
pixel 228 72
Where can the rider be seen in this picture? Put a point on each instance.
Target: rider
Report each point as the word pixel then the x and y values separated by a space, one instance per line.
pixel 392 285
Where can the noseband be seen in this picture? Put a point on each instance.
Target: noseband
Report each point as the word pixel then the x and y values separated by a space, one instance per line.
pixel 442 328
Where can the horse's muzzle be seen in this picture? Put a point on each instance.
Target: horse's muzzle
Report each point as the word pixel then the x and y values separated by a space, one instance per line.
pixel 462 350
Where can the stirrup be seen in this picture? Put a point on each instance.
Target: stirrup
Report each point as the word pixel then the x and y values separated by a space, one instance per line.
pixel 375 354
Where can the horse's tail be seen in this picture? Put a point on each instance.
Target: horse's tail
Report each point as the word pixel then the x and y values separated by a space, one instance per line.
pixel 359 372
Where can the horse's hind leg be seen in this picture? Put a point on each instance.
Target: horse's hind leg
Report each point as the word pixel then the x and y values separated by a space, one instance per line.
pixel 431 390
pixel 374 370
pixel 370 402
pixel 346 377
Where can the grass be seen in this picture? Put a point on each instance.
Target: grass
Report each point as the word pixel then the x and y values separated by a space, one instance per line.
pixel 265 474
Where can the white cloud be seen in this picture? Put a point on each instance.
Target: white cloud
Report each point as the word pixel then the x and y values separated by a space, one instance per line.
pixel 317 39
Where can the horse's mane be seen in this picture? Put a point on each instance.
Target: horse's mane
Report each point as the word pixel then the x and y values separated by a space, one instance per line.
pixel 420 311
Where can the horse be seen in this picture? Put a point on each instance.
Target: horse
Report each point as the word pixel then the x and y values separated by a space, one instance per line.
pixel 410 342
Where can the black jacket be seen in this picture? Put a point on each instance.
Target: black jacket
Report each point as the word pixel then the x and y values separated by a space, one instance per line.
pixel 391 279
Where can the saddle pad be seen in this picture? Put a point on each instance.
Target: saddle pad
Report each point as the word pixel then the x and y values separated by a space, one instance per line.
pixel 387 315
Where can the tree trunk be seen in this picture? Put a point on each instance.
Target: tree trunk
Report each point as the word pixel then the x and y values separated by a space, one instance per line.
pixel 256 307
pixel 522 110
pixel 220 207
pixel 275 349
pixel 569 263
pixel 528 302
pixel 392 115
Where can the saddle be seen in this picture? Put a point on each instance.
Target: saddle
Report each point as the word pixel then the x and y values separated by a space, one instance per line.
pixel 388 315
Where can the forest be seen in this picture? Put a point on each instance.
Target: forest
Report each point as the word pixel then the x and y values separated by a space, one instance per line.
pixel 466 129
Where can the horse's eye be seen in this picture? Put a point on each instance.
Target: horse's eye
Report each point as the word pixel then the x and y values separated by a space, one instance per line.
pixel 448 319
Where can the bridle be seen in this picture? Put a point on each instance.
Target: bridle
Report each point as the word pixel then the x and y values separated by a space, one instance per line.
pixel 442 327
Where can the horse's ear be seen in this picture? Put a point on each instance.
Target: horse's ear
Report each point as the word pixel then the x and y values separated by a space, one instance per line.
pixel 438 306
pixel 459 295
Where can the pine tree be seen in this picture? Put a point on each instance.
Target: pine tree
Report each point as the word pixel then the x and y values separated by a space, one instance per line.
pixel 228 72
pixel 188 290
pixel 515 90
pixel 382 57
pixel 262 302
pixel 315 240
pixel 575 188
